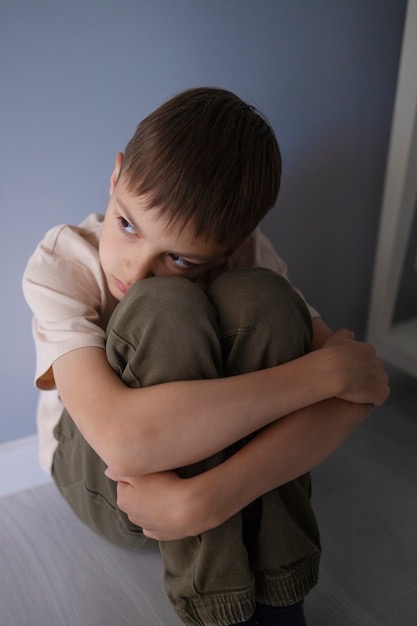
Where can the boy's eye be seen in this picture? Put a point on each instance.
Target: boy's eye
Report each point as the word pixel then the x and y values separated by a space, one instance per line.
pixel 126 227
pixel 180 262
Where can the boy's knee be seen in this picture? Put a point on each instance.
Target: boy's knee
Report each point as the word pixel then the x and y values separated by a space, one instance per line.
pixel 247 285
pixel 164 329
pixel 161 299
pixel 260 294
pixel 261 306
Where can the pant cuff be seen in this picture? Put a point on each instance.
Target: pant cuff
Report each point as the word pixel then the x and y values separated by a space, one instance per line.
pixel 234 607
pixel 290 589
pixel 218 610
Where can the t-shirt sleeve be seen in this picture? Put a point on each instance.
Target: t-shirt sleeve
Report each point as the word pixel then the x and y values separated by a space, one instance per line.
pixel 259 252
pixel 65 295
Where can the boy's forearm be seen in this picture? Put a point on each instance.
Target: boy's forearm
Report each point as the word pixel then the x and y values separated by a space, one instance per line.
pixel 168 507
pixel 133 429
pixel 278 454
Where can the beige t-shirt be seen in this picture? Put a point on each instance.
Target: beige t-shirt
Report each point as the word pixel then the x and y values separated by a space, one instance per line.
pixel 66 289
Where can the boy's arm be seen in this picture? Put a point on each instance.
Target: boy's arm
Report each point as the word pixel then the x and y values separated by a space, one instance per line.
pixel 133 429
pixel 169 507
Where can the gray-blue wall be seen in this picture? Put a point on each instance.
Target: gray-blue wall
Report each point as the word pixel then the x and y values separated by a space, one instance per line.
pixel 77 76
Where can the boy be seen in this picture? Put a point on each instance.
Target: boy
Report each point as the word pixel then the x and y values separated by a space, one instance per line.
pixel 204 352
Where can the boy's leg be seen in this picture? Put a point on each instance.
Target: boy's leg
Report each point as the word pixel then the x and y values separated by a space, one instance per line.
pixel 280 529
pixel 166 329
pixel 263 322
pixel 78 473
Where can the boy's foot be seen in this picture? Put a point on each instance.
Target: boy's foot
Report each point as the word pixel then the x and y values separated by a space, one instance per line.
pixel 266 615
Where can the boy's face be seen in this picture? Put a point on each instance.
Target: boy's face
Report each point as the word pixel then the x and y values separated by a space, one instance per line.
pixel 136 243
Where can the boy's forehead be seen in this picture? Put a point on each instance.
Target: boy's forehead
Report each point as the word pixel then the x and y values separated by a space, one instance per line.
pixel 139 209
pixel 128 199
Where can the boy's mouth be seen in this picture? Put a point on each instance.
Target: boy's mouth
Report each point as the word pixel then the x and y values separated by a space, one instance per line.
pixel 122 287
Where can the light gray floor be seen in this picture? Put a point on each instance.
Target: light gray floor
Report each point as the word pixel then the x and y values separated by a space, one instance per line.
pixel 54 572
pixel 365 497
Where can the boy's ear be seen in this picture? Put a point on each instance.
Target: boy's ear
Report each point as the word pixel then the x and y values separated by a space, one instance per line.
pixel 116 172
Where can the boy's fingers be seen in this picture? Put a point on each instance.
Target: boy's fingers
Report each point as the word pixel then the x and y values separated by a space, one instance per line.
pixel 345 332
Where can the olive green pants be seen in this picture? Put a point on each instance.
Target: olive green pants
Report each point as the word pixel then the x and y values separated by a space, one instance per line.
pixel 168 329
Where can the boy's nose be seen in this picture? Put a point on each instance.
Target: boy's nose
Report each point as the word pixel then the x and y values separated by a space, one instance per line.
pixel 140 269
pixel 142 273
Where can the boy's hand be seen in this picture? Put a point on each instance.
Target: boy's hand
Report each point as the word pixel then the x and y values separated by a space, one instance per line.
pixel 163 505
pixel 363 377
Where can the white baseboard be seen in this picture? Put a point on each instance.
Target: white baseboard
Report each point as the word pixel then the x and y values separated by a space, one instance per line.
pixel 19 466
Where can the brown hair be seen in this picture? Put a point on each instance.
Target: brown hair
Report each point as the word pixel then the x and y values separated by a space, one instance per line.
pixel 206 158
